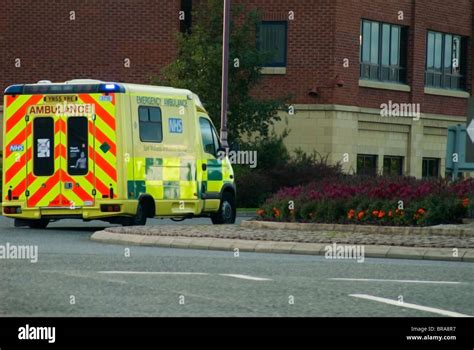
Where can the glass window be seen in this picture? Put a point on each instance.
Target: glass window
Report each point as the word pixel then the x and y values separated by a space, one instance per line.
pixel 207 137
pixel 437 51
pixel 383 52
pixel 392 166
pixel 43 146
pixel 272 39
pixel 448 53
pixel 386 45
pixel 77 146
pixel 366 164
pixel 430 53
pixel 445 64
pixel 395 46
pixel 374 43
pixel 430 167
pixel 366 41
pixel 217 142
pixel 150 124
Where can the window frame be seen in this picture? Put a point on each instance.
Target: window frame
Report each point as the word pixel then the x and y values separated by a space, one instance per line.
pixel 442 74
pixel 399 172
pixel 428 160
pixel 215 138
pixel 285 54
pixel 149 121
pixel 374 157
pixel 380 72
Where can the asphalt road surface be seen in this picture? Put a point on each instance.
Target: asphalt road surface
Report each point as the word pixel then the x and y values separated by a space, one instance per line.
pixel 76 277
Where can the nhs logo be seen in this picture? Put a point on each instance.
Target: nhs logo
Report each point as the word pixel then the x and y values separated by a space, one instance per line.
pixel 175 126
pixel 17 148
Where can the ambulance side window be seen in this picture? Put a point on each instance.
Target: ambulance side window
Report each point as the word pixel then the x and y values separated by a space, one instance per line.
pixel 150 124
pixel 210 141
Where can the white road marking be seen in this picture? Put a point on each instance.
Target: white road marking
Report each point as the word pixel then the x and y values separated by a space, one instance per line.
pixel 245 277
pixel 151 273
pixel 396 281
pixel 409 306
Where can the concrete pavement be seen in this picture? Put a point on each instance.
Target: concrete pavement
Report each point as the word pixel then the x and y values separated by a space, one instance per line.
pixel 373 251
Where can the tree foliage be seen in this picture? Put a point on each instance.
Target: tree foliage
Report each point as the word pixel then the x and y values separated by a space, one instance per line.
pixel 199 64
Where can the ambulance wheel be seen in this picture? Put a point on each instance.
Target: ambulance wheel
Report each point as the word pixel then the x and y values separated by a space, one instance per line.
pixel 138 220
pixel 38 224
pixel 227 211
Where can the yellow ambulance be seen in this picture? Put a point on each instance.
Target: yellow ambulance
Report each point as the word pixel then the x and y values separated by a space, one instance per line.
pixel 117 152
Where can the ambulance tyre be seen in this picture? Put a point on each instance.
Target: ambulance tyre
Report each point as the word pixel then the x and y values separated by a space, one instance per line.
pixel 227 211
pixel 138 220
pixel 38 224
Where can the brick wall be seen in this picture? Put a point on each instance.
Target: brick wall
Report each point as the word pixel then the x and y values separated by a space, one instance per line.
pixel 94 45
pixel 310 59
pixel 323 33
pixel 419 16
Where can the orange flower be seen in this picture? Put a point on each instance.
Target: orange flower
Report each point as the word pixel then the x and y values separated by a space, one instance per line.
pixel 351 214
pixel 276 212
pixel 390 213
pixel 399 212
pixel 375 213
pixel 360 216
pixel 381 214
pixel 421 211
pixel 465 202
pixel 260 212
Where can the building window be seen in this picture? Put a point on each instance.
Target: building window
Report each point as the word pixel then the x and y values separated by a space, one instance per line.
pixel 430 167
pixel 383 52
pixel 392 166
pixel 272 40
pixel 445 61
pixel 186 23
pixel 150 124
pixel 366 164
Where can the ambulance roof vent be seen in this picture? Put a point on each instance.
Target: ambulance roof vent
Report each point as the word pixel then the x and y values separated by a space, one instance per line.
pixel 44 82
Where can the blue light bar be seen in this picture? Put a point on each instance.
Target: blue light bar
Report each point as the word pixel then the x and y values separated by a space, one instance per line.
pixel 111 87
pixel 64 89
pixel 14 90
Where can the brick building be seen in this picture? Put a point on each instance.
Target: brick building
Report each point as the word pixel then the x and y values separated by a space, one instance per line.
pixel 342 60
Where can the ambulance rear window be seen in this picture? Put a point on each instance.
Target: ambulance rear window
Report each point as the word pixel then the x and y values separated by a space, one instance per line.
pixel 43 146
pixel 150 124
pixel 77 146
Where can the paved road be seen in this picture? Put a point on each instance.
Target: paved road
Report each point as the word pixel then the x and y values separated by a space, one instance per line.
pixel 102 280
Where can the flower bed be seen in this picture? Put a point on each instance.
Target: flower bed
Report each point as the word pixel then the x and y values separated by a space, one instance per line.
pixel 399 201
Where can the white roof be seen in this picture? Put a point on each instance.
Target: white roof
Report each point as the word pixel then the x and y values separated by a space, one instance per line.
pixel 138 88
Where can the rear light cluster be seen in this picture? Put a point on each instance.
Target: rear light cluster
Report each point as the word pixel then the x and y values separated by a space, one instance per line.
pixel 12 210
pixel 110 207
